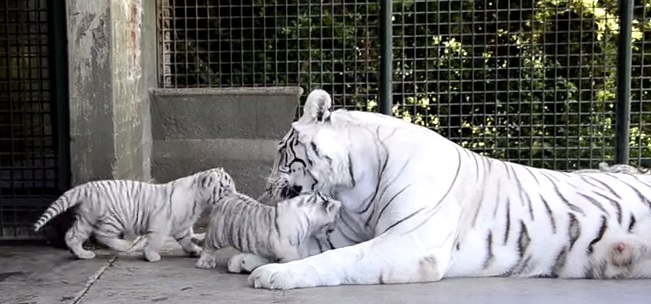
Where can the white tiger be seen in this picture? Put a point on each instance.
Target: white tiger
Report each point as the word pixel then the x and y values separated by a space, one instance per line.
pixel 418 208
pixel 281 233
pixel 110 208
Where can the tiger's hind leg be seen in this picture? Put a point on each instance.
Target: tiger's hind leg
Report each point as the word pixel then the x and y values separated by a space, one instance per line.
pixel 77 235
pixel 109 234
pixel 185 239
pixel 158 230
pixel 114 242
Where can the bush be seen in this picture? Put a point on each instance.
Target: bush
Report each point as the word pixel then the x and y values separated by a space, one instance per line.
pixel 529 81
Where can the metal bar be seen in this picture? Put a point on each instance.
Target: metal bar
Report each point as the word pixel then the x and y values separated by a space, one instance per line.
pixel 386 56
pixel 59 60
pixel 624 62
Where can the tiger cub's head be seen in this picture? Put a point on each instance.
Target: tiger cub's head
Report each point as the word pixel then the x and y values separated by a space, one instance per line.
pixel 308 215
pixel 311 156
pixel 216 184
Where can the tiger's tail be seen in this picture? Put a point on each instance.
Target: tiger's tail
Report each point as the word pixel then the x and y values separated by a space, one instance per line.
pixel 67 200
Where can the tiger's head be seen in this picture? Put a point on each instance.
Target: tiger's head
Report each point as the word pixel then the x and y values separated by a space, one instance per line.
pixel 311 156
pixel 214 184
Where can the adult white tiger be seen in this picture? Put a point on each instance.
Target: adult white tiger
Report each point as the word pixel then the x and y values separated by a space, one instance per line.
pixel 417 208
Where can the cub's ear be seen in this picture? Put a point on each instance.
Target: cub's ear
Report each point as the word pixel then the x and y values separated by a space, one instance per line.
pixel 317 107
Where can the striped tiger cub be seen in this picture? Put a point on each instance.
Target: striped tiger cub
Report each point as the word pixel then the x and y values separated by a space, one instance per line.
pixel 111 208
pixel 268 234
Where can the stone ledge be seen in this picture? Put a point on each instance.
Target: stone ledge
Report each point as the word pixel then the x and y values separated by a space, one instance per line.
pixel 292 91
pixel 252 113
pixel 220 148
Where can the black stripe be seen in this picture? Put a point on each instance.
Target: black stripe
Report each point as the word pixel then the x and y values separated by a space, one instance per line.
pixel 615 204
pixel 572 206
pixel 550 214
pixel 613 192
pixel 385 186
pixel 403 219
pixel 314 149
pixel 643 199
pixel 600 234
pixel 489 250
pixel 435 207
pixel 497 200
pixel 559 265
pixel 632 224
pixel 508 221
pixel 532 174
pixel 594 202
pixel 524 240
pixel 350 171
pixel 574 230
pixel 550 176
pixel 390 201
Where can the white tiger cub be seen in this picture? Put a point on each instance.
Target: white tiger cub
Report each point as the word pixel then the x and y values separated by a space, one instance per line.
pixel 420 208
pixel 267 234
pixel 110 208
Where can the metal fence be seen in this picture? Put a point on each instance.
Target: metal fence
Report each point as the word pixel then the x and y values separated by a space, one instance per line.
pixel 32 173
pixel 530 81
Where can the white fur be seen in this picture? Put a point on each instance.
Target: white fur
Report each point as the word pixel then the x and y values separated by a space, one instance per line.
pixel 266 233
pixel 439 206
pixel 110 208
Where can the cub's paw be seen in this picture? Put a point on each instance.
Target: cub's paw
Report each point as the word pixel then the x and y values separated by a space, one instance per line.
pixel 245 262
pixel 194 251
pixel 206 262
pixel 85 255
pixel 152 256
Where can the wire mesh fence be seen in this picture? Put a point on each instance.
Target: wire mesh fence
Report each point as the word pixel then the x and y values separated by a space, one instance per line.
pixel 530 81
pixel 28 154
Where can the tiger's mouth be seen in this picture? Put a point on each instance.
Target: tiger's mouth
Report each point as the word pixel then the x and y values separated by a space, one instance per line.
pixel 290 192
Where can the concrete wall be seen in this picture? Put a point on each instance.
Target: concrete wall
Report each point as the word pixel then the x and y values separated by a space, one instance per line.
pixel 238 129
pixel 120 131
pixel 106 126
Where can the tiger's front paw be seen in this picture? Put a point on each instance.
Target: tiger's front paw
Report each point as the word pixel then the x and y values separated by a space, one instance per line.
pixel 206 262
pixel 272 276
pixel 245 262
pixel 284 276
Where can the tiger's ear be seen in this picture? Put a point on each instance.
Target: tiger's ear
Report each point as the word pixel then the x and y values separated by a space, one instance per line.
pixel 317 107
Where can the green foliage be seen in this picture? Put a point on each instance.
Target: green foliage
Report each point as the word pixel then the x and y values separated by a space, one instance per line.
pixel 532 81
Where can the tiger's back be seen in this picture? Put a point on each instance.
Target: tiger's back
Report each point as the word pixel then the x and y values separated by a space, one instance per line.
pixel 570 227
pixel 118 206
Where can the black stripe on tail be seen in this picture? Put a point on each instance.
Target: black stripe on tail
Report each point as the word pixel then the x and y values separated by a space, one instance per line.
pixel 63 203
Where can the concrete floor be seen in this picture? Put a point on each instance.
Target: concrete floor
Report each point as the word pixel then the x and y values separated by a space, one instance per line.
pixel 31 274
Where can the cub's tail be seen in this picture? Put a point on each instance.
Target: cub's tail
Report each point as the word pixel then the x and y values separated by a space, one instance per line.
pixel 64 202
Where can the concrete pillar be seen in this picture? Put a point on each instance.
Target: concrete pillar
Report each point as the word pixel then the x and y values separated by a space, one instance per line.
pixel 106 100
